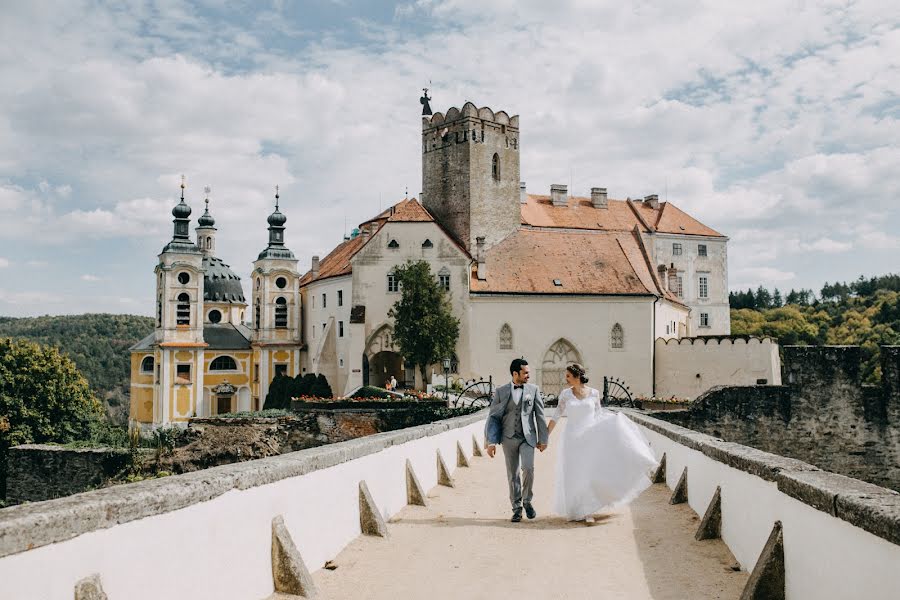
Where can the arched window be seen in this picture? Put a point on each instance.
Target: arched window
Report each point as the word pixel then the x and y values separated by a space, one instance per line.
pixel 223 363
pixel 427 244
pixel 495 167
pixel 393 244
pixel 159 312
pixel 183 310
pixel 617 337
pixel 506 340
pixel 281 315
pixel 147 365
pixel 257 316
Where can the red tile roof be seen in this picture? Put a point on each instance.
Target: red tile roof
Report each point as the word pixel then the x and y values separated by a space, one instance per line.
pixel 620 215
pixel 528 262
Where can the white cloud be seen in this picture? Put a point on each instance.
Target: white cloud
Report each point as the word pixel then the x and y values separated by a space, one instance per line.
pixel 91 278
pixel 771 126
pixel 4 262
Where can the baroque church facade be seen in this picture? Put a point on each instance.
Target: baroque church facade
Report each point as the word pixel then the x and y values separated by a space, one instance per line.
pixel 210 352
pixel 551 277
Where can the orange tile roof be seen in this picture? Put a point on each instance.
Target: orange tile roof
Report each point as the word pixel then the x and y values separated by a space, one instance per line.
pixel 337 263
pixel 338 260
pixel 529 260
pixel 579 213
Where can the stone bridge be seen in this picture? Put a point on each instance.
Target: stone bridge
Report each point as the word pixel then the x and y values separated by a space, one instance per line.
pixel 421 513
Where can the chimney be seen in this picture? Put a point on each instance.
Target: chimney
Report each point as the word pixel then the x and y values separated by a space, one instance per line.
pixel 315 266
pixel 559 194
pixel 652 200
pixel 598 197
pixel 479 256
pixel 663 278
pixel 523 196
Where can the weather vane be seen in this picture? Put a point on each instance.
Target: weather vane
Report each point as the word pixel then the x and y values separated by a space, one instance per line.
pixel 276 197
pixel 426 108
pixel 207 190
pixel 182 186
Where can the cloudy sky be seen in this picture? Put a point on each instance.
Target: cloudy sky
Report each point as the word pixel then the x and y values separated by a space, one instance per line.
pixel 776 123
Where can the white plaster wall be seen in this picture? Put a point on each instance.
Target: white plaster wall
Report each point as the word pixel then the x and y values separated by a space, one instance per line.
pixel 825 557
pixel 539 321
pixel 221 548
pixel 316 315
pixel 677 318
pixel 691 265
pixel 717 362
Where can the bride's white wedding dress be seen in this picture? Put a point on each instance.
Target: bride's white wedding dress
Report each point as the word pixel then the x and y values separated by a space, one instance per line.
pixel 604 460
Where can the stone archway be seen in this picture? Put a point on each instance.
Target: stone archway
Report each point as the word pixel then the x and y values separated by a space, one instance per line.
pixel 382 358
pixel 559 355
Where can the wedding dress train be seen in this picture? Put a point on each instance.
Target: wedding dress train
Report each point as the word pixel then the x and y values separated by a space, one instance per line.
pixel 604 460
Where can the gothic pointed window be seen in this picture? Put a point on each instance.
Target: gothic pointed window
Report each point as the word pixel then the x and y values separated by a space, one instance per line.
pixel 495 167
pixel 553 369
pixel 183 310
pixel 427 244
pixel 617 337
pixel 506 337
pixel 281 313
pixel 393 244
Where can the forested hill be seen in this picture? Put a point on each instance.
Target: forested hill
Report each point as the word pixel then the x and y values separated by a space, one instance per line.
pixel 98 343
pixel 865 312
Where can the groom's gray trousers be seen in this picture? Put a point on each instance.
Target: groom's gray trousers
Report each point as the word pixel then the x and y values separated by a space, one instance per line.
pixel 519 454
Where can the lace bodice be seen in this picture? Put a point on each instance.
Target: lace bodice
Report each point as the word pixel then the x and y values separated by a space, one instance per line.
pixel 567 397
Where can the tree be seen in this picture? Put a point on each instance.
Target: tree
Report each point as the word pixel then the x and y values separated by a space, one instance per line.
pixel 280 391
pixel 776 299
pixel 424 326
pixel 320 388
pixel 43 398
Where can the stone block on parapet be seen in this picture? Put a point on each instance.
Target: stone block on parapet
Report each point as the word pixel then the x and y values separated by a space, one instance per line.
pixel 660 475
pixel 371 522
pixel 680 493
pixel 767 580
pixel 461 460
pixel 711 525
pixel 90 588
pixel 476 447
pixel 289 572
pixel 444 477
pixel 415 495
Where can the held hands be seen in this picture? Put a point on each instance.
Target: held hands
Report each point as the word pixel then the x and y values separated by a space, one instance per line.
pixel 542 447
pixel 491 450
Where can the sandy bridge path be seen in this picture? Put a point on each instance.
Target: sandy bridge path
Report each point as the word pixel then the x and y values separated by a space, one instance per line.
pixel 462 545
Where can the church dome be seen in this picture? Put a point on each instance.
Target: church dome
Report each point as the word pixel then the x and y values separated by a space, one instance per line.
pixel 277 219
pixel 221 284
pixel 181 210
pixel 206 219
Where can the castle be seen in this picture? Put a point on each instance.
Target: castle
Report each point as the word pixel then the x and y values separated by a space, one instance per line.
pixel 555 278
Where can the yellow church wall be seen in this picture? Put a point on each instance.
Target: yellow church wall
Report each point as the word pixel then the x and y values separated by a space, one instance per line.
pixel 181 396
pixel 141 406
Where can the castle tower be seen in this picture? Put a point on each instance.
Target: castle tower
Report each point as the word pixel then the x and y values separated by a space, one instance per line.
pixel 470 173
pixel 179 320
pixel 275 311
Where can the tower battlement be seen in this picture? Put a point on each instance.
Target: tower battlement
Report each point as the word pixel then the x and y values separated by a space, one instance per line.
pixel 470 172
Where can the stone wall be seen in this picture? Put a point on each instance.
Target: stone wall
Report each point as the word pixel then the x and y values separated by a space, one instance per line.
pixel 822 415
pixel 687 367
pixel 42 472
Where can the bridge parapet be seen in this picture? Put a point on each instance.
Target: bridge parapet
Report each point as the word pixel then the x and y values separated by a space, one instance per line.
pixel 835 536
pixel 210 533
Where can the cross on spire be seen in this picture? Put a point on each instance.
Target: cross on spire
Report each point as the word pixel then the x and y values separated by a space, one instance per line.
pixel 182 186
pixel 276 197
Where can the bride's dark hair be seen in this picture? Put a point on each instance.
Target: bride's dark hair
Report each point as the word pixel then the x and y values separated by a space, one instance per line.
pixel 577 371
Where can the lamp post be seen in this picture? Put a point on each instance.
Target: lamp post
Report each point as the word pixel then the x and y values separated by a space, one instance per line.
pixel 446 364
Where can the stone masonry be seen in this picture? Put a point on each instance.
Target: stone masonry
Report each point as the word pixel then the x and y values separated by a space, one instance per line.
pixel 822 415
pixel 42 472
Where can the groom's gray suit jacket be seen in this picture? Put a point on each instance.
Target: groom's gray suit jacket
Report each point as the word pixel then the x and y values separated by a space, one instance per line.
pixel 531 411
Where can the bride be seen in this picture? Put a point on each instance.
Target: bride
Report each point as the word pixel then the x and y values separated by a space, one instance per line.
pixel 604 460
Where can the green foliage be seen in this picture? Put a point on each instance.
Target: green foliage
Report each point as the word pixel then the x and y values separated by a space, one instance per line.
pixel 249 414
pixel 865 313
pixel 280 390
pixel 43 398
pixel 98 343
pixel 424 326
pixel 371 391
pixel 321 389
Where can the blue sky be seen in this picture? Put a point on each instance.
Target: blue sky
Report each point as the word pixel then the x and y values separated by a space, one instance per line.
pixel 776 123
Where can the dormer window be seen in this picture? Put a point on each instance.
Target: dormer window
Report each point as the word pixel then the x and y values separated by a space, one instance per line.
pixel 427 244
pixel 393 244
pixel 557 282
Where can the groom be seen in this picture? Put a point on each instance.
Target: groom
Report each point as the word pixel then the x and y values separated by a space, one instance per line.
pixel 516 420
